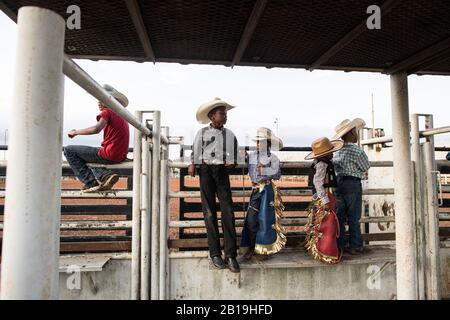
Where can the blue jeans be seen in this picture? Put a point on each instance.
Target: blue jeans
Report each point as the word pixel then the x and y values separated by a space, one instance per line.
pixel 348 210
pixel 79 156
pixel 251 219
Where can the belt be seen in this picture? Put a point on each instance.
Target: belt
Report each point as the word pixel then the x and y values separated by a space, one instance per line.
pixel 213 162
pixel 264 182
pixel 260 186
pixel 350 178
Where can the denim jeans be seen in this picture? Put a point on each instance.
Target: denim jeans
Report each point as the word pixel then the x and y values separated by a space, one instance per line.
pixel 79 156
pixel 251 219
pixel 348 210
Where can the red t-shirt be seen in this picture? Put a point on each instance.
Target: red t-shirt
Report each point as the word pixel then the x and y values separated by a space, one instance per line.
pixel 116 137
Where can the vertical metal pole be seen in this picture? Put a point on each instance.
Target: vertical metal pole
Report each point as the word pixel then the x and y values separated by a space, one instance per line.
pixel 145 220
pixel 403 182
pixel 136 228
pixel 156 187
pixel 30 256
pixel 163 222
pixel 432 241
pixel 418 206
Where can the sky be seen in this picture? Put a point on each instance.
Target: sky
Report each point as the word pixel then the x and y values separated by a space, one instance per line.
pixel 308 105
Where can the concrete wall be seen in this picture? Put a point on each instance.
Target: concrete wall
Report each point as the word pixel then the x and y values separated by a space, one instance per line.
pixel 112 283
pixel 192 278
pixel 327 282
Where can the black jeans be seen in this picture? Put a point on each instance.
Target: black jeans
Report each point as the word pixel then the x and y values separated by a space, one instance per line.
pixel 79 156
pixel 214 180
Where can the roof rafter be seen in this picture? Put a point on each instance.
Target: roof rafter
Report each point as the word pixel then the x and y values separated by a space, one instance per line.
pixel 138 21
pixel 424 58
pixel 246 36
pixel 386 7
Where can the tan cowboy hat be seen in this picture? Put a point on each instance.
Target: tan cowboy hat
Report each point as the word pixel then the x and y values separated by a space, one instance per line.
pixel 347 125
pixel 204 109
pixel 263 133
pixel 119 96
pixel 323 146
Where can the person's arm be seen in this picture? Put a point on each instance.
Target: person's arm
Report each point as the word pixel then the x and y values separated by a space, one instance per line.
pixel 269 168
pixel 90 130
pixel 276 165
pixel 233 163
pixel 363 162
pixel 196 151
pixel 319 177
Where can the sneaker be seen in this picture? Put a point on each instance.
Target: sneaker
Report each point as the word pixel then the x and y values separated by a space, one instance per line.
pixel 108 181
pixel 91 187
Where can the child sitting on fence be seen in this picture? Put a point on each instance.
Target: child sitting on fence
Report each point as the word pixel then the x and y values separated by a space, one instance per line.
pixel 114 148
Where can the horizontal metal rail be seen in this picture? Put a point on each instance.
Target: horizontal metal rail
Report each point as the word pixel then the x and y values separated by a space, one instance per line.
pixel 119 194
pixel 284 222
pixel 84 80
pixel 285 164
pixel 422 134
pixel 92 225
pixel 246 193
pixel 181 165
pixel 65 165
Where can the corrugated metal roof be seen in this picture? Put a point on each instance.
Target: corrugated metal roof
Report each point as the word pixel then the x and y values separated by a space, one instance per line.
pixel 414 34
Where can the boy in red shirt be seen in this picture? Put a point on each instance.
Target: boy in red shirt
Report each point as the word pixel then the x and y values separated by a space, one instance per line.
pixel 114 148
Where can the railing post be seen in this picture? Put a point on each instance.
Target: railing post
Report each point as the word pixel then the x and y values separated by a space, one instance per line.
pixel 30 256
pixel 156 187
pixel 136 228
pixel 432 218
pixel 418 206
pixel 146 219
pixel 165 183
pixel 403 182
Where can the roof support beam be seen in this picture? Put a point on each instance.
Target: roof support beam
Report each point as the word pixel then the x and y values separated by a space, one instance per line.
pixel 252 22
pixel 386 7
pixel 136 16
pixel 424 58
pixel 428 63
pixel 12 15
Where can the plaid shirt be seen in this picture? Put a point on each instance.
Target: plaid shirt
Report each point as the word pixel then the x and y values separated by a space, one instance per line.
pixel 351 160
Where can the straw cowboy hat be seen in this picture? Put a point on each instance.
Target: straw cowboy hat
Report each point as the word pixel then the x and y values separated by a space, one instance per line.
pixel 323 146
pixel 263 133
pixel 204 109
pixel 347 125
pixel 119 96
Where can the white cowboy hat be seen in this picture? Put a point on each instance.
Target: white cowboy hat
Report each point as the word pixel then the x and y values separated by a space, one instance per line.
pixel 346 126
pixel 204 109
pixel 323 146
pixel 263 133
pixel 119 96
